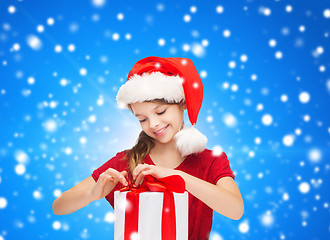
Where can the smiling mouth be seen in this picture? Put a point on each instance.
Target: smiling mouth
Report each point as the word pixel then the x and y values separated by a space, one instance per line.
pixel 161 130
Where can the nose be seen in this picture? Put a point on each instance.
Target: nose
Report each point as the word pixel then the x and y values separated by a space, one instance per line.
pixel 153 123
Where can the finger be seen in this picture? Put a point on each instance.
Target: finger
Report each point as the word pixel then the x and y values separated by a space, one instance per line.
pixel 124 173
pixel 117 176
pixel 138 169
pixel 105 177
pixel 122 179
pixel 110 171
pixel 105 174
pixel 148 172
pixel 142 176
pixel 139 179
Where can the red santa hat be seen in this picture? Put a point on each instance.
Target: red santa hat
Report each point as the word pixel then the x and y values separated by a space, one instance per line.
pixel 171 79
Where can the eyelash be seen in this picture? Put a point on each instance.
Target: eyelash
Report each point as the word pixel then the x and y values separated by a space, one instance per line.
pixel 157 114
pixel 161 112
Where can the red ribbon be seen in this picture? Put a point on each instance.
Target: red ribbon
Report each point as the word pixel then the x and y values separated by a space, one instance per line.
pixel 167 185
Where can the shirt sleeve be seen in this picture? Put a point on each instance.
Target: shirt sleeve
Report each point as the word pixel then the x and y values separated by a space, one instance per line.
pixel 115 163
pixel 112 163
pixel 220 168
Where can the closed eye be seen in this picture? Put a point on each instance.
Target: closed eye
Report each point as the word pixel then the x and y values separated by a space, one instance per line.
pixel 160 113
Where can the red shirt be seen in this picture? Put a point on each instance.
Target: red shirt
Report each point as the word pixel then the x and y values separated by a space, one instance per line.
pixel 201 165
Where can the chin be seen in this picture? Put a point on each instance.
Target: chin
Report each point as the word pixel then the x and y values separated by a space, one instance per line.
pixel 165 140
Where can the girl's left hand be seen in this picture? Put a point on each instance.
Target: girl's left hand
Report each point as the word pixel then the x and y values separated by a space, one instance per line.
pixel 143 170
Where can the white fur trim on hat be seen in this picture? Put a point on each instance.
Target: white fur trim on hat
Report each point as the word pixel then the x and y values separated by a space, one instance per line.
pixel 146 87
pixel 189 140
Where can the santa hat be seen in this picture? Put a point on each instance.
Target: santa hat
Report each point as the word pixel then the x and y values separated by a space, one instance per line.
pixel 171 79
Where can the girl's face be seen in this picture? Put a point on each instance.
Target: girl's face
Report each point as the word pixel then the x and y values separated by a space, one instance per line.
pixel 160 121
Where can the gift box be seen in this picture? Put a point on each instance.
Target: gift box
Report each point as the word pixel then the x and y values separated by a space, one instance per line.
pixel 157 210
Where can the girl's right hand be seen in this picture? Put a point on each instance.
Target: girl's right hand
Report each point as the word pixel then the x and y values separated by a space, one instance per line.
pixel 107 181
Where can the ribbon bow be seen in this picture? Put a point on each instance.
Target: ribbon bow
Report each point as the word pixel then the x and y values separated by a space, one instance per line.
pixel 167 185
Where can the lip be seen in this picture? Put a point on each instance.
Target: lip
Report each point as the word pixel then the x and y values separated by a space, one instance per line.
pixel 161 131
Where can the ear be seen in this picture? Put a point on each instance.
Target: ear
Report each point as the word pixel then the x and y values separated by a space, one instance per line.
pixel 183 105
pixel 130 108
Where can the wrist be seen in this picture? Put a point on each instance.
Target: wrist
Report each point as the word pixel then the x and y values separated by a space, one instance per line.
pixel 181 174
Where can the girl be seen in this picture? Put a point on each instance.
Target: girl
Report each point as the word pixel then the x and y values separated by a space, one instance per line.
pixel 157 92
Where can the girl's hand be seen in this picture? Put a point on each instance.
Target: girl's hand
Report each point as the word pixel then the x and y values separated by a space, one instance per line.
pixel 107 181
pixel 143 170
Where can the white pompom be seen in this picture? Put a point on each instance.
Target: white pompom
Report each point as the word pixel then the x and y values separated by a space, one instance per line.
pixel 189 140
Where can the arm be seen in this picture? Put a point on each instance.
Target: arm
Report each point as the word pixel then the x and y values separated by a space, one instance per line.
pixel 87 191
pixel 224 197
pixel 75 198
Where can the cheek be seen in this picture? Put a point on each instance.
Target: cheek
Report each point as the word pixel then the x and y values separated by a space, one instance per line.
pixel 143 127
pixel 178 119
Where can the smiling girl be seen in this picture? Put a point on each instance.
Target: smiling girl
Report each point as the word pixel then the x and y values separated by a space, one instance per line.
pixel 157 92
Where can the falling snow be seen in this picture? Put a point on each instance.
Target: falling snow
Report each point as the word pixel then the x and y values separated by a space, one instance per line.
pixel 265 72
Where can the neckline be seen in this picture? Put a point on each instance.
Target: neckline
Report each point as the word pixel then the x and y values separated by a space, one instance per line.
pixel 177 167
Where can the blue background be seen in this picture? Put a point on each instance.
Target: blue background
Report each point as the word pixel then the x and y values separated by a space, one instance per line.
pixel 283 177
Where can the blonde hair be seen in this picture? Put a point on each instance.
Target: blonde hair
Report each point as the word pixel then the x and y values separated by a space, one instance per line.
pixel 143 144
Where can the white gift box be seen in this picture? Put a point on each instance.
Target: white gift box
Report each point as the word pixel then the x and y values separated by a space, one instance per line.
pixel 150 215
